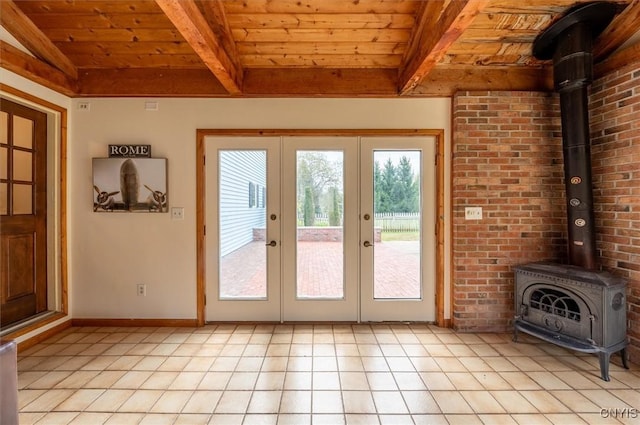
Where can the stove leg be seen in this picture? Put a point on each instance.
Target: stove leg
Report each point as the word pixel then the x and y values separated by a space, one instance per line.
pixel 604 365
pixel 625 362
pixel 515 334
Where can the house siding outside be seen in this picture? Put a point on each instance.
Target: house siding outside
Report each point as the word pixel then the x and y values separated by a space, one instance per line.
pixel 240 172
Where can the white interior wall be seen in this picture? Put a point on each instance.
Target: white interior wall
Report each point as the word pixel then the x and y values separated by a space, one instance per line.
pixel 110 253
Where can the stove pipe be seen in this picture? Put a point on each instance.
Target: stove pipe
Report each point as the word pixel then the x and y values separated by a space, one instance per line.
pixel 569 43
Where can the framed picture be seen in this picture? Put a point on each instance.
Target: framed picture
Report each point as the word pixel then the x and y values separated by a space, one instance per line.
pixel 130 185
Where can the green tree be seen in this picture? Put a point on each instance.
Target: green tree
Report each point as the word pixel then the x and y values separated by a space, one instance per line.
pixel 336 208
pixel 406 190
pixel 316 171
pixel 387 183
pixel 377 188
pixel 309 209
pixel 396 187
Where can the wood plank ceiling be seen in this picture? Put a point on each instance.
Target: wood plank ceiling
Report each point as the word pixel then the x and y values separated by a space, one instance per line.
pixel 293 48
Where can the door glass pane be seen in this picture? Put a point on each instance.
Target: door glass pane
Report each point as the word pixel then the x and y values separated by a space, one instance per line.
pixel 22 199
pixel 319 246
pixel 22 132
pixel 3 199
pixel 22 165
pixel 243 250
pixel 397 192
pixel 3 163
pixel 4 127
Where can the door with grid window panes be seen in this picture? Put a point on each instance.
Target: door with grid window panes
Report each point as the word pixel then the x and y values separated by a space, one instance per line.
pixel 23 243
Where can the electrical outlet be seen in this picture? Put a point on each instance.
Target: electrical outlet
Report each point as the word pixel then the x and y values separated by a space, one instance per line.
pixel 84 106
pixel 142 290
pixel 473 213
pixel 177 213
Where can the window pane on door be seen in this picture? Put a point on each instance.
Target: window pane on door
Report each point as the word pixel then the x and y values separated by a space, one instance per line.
pixel 22 199
pixel 397 193
pixel 3 163
pixel 243 255
pixel 22 132
pixel 4 127
pixel 319 246
pixel 22 165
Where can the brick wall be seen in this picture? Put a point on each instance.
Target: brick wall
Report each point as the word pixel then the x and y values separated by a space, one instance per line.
pixel 615 151
pixel 507 159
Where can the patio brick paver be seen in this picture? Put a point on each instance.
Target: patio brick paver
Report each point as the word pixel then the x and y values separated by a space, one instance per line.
pixel 320 264
pixel 243 272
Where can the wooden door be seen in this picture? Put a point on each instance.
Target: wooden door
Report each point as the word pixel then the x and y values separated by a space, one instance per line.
pixel 23 210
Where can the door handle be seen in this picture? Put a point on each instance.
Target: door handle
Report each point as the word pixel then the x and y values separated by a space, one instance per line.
pixel 272 243
pixel 367 244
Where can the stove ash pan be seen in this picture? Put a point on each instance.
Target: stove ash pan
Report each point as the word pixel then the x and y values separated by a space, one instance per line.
pixel 574 308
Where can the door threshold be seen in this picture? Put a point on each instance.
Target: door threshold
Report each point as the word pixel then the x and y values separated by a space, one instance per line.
pixel 26 322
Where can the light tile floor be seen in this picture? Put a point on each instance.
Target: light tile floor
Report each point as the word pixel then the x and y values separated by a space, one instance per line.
pixel 316 374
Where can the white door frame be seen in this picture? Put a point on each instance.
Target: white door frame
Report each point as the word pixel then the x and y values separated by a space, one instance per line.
pixel 442 294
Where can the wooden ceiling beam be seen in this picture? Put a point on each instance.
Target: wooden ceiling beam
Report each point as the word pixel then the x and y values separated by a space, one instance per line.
pixel 447 80
pixel 217 19
pixel 20 63
pixel 34 40
pixel 149 82
pixel 432 38
pixel 619 30
pixel 320 83
pixel 325 82
pixel 190 22
pixel 617 60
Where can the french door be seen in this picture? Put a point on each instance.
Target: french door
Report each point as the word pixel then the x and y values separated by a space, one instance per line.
pixel 320 229
pixel 243 229
pixel 397 229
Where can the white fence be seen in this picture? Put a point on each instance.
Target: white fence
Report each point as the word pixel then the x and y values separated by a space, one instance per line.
pixel 321 220
pixel 398 222
pixel 388 222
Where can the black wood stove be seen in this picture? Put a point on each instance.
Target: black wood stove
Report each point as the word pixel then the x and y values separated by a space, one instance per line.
pixel 574 306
